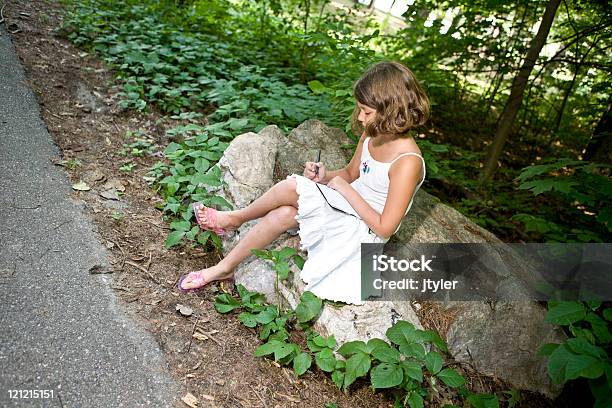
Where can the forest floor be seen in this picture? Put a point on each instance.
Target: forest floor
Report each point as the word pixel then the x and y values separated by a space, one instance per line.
pixel 79 104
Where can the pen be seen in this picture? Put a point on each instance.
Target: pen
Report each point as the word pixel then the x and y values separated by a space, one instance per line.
pixel 317 161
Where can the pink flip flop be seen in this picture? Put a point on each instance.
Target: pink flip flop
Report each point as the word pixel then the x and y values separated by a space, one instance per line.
pixel 211 217
pixel 199 279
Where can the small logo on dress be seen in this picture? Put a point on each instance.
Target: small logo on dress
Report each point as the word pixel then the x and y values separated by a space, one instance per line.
pixel 364 167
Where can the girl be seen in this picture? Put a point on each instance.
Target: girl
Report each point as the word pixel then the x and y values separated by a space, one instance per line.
pixel 379 183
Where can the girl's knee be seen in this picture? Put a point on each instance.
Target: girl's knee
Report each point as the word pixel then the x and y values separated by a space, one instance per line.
pixel 284 215
pixel 289 183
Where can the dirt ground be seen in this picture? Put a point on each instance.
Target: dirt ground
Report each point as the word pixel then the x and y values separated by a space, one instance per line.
pixel 79 103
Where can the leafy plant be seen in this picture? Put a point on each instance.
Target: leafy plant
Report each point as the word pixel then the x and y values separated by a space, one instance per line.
pixel 585 354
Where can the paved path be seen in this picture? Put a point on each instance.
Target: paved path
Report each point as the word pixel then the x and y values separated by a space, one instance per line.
pixel 61 328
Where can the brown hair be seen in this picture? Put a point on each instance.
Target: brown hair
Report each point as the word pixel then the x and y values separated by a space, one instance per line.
pixel 400 102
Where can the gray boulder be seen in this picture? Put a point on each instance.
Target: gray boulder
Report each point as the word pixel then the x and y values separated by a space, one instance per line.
pixel 499 340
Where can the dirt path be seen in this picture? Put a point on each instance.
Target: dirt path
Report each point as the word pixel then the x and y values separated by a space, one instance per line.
pixel 80 107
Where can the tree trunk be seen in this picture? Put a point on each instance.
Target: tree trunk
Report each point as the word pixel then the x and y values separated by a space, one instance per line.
pixel 569 89
pixel 371 5
pixel 599 148
pixel 516 94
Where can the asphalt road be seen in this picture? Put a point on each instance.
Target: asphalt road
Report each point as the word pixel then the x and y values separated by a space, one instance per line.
pixel 61 328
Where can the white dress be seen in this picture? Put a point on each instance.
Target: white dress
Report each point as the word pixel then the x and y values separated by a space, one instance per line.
pixel 333 239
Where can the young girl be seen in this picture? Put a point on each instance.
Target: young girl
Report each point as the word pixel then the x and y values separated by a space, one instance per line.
pixel 379 183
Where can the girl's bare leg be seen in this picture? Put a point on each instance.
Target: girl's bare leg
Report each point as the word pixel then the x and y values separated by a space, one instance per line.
pixel 282 193
pixel 270 227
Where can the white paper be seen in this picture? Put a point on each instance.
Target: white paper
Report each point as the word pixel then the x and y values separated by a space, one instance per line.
pixel 336 200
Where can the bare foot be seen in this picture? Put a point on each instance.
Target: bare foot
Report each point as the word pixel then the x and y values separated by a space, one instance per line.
pixel 224 219
pixel 203 277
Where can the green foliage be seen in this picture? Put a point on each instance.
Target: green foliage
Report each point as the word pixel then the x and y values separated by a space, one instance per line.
pixel 585 354
pixel 388 365
pixel 580 182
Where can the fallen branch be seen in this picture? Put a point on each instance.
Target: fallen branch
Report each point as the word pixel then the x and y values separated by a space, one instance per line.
pixel 191 337
pixel 135 265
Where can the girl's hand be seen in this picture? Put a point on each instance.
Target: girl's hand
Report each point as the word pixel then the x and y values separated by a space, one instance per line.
pixel 310 171
pixel 338 183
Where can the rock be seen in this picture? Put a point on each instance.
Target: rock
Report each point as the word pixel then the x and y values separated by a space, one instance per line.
pixel 302 143
pixel 501 340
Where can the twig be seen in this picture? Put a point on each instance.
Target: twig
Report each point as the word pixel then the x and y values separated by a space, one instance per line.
pixel 2 21
pixel 53 114
pixel 26 208
pixel 192 332
pixel 135 265
pixel 258 396
pixel 118 246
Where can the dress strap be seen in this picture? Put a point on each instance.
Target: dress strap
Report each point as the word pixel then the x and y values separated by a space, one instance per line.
pixel 413 154
pixel 366 147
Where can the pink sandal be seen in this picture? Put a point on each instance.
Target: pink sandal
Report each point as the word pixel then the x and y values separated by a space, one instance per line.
pixel 211 218
pixel 198 279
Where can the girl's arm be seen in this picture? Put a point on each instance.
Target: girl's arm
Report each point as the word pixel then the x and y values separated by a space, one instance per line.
pixel 404 175
pixel 350 172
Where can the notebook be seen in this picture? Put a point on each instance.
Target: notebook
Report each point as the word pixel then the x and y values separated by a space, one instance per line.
pixel 336 200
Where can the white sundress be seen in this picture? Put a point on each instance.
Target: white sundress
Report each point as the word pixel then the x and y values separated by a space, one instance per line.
pixel 333 239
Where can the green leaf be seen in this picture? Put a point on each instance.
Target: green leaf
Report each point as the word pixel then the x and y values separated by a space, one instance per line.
pixel 174 238
pixel 413 350
pixel 301 363
pixel 282 350
pixel 565 313
pixel 432 337
pixel 356 366
pixel 225 303
pixel 451 378
pixel 286 253
pixel 386 375
pixel 282 268
pixel 483 401
pixel 351 347
pixel 402 333
pixel 584 366
pixel 412 369
pixel 433 362
pixel 267 316
pixel 320 341
pixel 299 261
pixel 602 393
pixel 338 378
pixel 386 354
pixel 262 254
pixel 266 329
pixel 415 400
pixel 607 313
pixel 599 327
pixel 331 341
pixel 308 308
pixel 547 349
pixel 557 363
pixel 248 319
pixel 317 87
pixel 325 360
pixel 267 348
pixel 180 225
pixel 581 346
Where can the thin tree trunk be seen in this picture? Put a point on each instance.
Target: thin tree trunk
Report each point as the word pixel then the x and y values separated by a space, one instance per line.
pixel 599 148
pixel 499 76
pixel 303 50
pixel 568 91
pixel 516 94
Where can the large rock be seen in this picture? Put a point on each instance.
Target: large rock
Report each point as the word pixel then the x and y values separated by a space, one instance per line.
pixel 497 339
